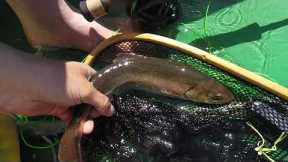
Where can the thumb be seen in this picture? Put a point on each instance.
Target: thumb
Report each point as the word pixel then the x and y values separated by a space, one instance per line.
pixel 100 102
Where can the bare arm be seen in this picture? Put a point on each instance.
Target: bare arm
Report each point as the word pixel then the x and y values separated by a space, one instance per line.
pixel 54 23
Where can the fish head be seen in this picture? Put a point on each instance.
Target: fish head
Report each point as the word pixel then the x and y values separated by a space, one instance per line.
pixel 210 92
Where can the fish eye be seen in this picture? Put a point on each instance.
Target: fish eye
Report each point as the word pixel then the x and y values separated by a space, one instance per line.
pixel 217 97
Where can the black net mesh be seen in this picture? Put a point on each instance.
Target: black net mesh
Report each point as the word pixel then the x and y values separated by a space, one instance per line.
pixel 146 127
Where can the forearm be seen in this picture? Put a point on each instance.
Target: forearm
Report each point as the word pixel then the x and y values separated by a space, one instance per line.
pixel 50 13
pixel 22 73
pixel 54 23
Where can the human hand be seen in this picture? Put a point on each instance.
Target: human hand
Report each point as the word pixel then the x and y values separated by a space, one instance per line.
pixel 46 87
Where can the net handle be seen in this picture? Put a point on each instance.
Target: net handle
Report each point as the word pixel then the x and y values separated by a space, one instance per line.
pixel 209 58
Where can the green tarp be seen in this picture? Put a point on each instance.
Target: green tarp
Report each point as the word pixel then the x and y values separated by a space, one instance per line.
pixel 250 33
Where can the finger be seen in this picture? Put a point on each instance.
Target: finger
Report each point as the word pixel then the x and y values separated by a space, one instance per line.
pixel 89 72
pixel 94 114
pixel 61 112
pixel 100 102
pixel 88 127
pixel 66 117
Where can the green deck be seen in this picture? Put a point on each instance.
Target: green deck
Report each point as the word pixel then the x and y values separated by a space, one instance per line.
pixel 250 33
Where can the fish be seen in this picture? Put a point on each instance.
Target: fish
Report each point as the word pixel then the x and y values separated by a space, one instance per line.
pixel 163 77
pixel 155 75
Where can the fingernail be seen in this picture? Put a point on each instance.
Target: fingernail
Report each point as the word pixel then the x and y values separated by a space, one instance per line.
pixel 112 110
pixel 88 127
